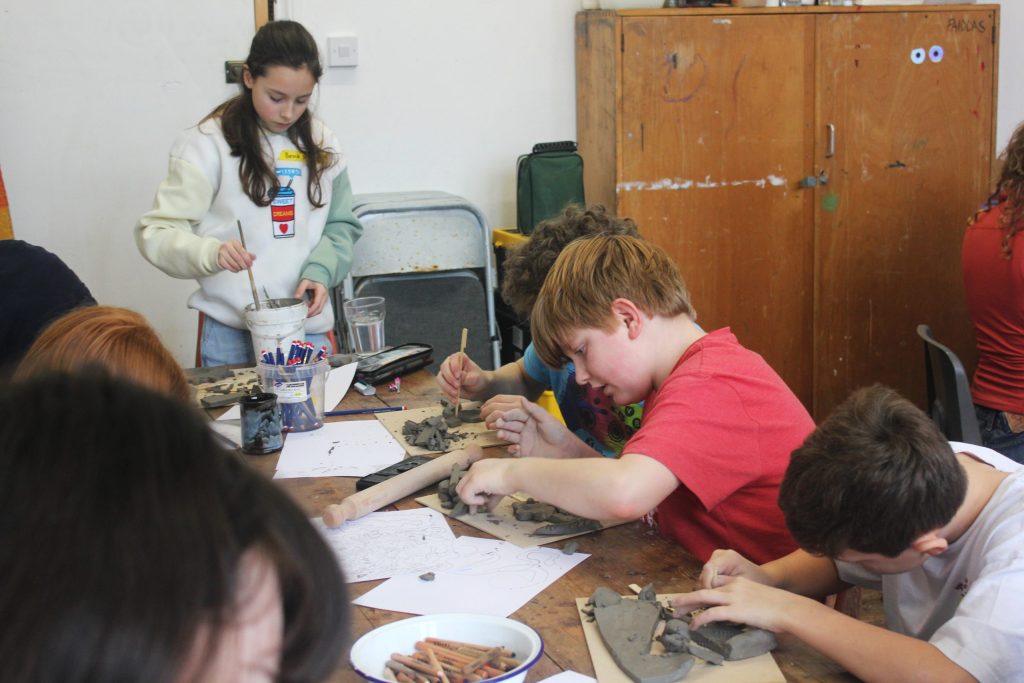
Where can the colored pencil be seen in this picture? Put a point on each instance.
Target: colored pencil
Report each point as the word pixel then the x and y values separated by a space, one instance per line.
pixel 362 411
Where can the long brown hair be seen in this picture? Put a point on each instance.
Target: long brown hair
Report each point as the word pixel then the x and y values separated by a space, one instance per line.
pixel 117 339
pixel 277 43
pixel 1009 190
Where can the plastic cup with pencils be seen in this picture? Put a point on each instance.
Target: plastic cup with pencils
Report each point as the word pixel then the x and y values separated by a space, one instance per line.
pixel 299 387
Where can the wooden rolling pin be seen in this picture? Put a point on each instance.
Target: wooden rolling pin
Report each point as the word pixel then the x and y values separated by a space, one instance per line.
pixel 399 486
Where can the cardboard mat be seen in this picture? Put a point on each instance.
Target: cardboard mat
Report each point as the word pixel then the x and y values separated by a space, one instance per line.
pixel 222 386
pixel 761 669
pixel 475 432
pixel 502 522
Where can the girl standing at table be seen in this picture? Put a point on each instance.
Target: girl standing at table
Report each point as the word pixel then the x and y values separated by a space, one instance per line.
pixel 264 160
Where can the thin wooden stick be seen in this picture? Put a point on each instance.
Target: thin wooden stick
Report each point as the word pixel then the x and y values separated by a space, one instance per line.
pixel 462 357
pixel 252 280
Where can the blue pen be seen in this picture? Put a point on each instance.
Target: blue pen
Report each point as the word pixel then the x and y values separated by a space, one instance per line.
pixel 362 411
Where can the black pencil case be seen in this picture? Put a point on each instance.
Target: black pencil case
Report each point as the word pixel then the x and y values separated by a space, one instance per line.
pixel 393 362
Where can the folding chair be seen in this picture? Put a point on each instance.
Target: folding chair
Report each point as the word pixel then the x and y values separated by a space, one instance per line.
pixel 949 391
pixel 429 255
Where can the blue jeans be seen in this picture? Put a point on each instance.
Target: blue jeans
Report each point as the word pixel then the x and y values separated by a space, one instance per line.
pixel 224 345
pixel 996 433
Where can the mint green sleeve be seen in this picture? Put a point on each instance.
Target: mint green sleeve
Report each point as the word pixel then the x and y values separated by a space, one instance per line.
pixel 330 260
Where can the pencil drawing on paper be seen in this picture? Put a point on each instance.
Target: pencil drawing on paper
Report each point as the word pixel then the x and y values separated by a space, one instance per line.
pixel 528 567
pixel 386 544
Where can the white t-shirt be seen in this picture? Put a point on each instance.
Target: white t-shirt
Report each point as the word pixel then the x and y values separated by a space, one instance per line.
pixel 969 601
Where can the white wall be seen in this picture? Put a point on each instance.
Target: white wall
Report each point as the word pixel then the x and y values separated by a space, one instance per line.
pixel 447 94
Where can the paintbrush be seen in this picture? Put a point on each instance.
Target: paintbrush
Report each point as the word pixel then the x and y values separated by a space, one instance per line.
pixel 462 363
pixel 252 280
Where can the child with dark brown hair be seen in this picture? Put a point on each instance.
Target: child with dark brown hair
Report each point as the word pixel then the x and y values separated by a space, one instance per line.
pixel 136 549
pixel 877 497
pixel 590 416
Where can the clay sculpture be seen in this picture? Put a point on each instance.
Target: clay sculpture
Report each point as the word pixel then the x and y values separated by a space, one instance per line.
pixel 627 628
pixel 734 641
pixel 562 522
pixel 447 495
pixel 466 415
pixel 431 433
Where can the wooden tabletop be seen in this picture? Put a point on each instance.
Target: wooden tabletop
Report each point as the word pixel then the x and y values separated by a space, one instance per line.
pixel 626 554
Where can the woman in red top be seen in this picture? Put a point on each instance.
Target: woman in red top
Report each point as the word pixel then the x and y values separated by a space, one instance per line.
pixel 993 266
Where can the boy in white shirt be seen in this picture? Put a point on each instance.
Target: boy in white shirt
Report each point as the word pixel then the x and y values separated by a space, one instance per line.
pixel 876 496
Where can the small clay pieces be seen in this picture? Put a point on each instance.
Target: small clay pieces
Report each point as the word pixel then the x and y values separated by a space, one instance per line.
pixel 465 416
pixel 577 526
pixel 734 641
pixel 429 576
pixel 676 638
pixel 431 434
pixel 563 523
pixel 447 495
pixel 627 628
pixel 570 548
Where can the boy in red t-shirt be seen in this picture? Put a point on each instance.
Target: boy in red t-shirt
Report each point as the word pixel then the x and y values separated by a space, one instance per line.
pixel 719 423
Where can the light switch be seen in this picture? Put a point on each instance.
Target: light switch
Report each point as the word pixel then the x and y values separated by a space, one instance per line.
pixel 342 50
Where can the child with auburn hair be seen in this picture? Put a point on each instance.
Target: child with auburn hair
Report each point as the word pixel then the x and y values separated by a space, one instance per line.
pixel 589 414
pixel 876 496
pixel 993 269
pixel 118 339
pixel 718 425
pixel 136 549
pixel 262 159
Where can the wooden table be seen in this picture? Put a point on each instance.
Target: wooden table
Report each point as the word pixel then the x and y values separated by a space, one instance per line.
pixel 619 556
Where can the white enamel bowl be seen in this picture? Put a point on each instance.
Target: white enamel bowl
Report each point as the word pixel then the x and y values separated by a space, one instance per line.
pixel 370 652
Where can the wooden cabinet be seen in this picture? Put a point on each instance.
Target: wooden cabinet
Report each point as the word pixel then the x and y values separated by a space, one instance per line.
pixel 811 170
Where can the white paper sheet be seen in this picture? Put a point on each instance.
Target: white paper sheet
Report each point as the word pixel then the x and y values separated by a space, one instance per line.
pixel 338 382
pixel 385 544
pixel 498 578
pixel 569 677
pixel 338 449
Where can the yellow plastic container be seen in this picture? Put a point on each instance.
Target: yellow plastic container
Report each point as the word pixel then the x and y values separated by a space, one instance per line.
pixel 507 237
pixel 547 402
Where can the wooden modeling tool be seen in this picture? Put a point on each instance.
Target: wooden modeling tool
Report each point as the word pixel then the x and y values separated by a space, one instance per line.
pixel 252 280
pixel 462 362
pixel 399 486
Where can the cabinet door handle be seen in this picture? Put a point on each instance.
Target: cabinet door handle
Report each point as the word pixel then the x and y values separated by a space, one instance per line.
pixel 830 144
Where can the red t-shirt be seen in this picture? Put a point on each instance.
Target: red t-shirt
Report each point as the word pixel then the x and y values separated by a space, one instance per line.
pixel 725 424
pixel 995 299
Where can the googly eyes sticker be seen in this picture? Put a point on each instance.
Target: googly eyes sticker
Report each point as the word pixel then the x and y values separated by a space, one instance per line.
pixel 935 53
pixel 917 55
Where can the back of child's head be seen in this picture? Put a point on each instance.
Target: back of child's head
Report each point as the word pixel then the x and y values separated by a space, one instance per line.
pixel 589 275
pixel 124 529
pixel 527 265
pixel 872 478
pixel 117 338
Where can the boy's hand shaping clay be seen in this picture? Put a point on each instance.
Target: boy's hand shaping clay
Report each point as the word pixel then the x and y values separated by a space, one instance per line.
pixel 532 431
pixel 726 564
pixel 457 368
pixel 743 601
pixel 485 483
